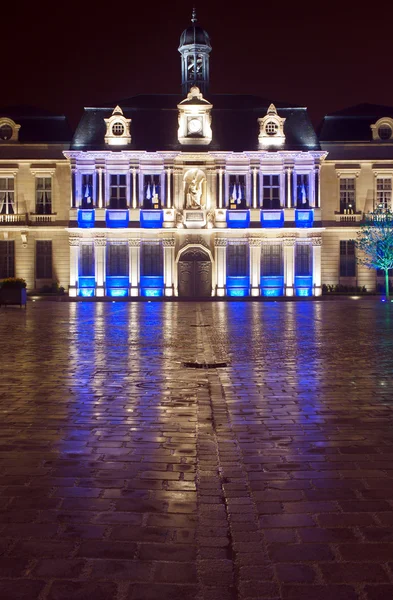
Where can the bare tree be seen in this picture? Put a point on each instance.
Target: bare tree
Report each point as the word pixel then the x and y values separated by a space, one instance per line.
pixel 375 241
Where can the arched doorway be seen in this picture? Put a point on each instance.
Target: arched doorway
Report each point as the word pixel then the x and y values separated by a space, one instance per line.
pixel 195 274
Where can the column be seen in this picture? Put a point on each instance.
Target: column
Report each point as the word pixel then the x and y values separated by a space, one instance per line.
pixel 221 265
pixel 288 173
pixel 316 186
pixel 100 190
pixel 255 265
pixel 73 190
pixel 289 266
pixel 316 265
pixel 134 270
pixel 134 196
pixel 99 250
pixel 168 189
pixel 74 265
pixel 254 189
pixel 169 266
pixel 220 188
pixel 293 195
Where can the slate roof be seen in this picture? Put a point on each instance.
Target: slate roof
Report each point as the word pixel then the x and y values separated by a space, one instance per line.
pixel 38 126
pixel 234 123
pixel 352 124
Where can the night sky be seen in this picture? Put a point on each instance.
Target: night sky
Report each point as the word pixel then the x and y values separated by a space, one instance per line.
pixel 325 56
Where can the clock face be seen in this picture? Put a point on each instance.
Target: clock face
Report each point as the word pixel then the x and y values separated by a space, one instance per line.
pixel 194 126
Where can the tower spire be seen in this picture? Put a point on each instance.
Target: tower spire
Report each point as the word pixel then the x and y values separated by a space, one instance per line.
pixel 194 17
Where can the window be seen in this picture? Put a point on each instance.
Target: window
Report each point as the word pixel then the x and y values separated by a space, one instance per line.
pixel 385 132
pixel 86 260
pixel 347 196
pixel 118 191
pixel 43 198
pixel 117 263
pixel 237 191
pixel 43 257
pixel 347 258
pixel 271 191
pixel 302 191
pixel 118 129
pixel 151 191
pixel 5 132
pixel 271 128
pixel 237 260
pixel 151 259
pixel 271 260
pixel 7 259
pixel 7 196
pixel 384 192
pixel 303 265
pixel 87 190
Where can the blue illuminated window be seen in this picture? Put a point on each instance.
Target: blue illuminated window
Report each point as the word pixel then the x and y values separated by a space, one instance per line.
pixel 303 259
pixel 302 191
pixel 238 219
pixel 151 219
pixel 117 262
pixel 86 218
pixel 272 218
pixel 304 218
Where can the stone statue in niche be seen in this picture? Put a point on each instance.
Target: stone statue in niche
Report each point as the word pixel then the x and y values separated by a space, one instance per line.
pixel 194 187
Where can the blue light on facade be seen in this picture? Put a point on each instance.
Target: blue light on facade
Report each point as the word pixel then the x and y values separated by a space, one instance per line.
pixel 87 292
pixel 238 219
pixel 272 218
pixel 86 218
pixel 151 219
pixel 238 286
pixel 86 282
pixel 304 217
pixel 272 285
pixel 303 285
pixel 152 293
pixel 152 286
pixel 117 292
pixel 117 218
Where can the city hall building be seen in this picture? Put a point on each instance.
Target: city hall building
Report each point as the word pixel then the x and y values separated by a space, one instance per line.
pixel 188 196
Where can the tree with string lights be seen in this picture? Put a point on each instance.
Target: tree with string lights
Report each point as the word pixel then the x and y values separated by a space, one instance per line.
pixel 375 241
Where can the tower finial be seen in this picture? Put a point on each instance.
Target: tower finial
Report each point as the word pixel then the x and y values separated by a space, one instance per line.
pixel 194 17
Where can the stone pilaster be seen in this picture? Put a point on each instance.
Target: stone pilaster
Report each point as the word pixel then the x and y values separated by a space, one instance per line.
pixel 221 265
pixel 74 242
pixel 289 265
pixel 255 265
pixel 99 250
pixel 316 265
pixel 134 266
pixel 169 266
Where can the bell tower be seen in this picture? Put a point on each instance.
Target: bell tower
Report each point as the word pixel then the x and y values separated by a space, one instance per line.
pixel 195 48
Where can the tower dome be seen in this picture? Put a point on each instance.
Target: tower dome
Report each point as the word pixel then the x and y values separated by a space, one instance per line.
pixel 195 48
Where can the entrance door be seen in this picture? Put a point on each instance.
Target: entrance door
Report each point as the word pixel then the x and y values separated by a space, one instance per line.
pixel 195 274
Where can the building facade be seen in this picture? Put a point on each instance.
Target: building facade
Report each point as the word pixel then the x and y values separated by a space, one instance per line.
pixel 196 195
pixel 356 179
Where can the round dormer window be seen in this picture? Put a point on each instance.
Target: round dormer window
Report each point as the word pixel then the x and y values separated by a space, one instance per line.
pixel 118 129
pixel 385 132
pixel 5 132
pixel 271 128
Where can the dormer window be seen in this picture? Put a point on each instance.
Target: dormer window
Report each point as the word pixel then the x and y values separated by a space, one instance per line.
pixel 385 132
pixel 9 130
pixel 383 129
pixel 195 119
pixel 117 129
pixel 271 129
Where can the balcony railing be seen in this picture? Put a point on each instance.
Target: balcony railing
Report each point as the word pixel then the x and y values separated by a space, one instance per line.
pixel 35 218
pixel 351 218
pixel 13 219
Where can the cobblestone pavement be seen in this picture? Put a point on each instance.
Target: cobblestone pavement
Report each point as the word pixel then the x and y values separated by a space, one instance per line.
pixel 125 475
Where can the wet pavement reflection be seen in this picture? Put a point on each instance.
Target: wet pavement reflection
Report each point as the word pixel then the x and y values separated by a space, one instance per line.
pixel 125 475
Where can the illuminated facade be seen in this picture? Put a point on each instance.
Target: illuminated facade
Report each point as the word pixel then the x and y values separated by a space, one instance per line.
pixel 356 178
pixel 197 195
